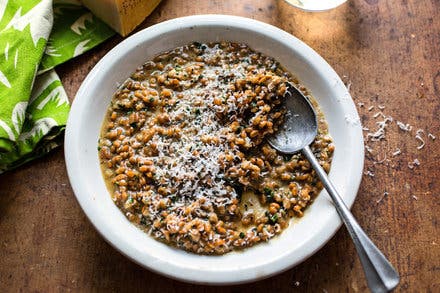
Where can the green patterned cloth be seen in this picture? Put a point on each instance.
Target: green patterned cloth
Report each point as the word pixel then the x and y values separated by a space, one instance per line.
pixel 35 36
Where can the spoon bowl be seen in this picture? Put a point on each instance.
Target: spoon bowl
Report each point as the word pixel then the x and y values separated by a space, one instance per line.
pixel 296 134
pixel 300 126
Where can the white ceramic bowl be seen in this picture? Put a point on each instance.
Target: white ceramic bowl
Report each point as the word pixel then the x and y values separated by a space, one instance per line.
pixel 303 237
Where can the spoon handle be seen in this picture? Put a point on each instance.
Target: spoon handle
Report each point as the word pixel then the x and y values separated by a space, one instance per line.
pixel 380 274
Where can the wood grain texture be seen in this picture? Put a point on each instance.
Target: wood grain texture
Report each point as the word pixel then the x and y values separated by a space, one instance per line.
pixel 389 51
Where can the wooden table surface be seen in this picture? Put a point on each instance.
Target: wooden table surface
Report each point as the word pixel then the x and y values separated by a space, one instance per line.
pixel 389 54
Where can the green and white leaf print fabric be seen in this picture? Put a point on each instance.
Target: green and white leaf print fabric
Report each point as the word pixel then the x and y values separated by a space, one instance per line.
pixel 35 36
pixel 75 31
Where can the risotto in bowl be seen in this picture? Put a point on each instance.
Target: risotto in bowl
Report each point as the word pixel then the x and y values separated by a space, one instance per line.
pixel 167 155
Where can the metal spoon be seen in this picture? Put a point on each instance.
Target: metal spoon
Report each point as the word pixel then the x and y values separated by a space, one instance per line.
pixel 297 133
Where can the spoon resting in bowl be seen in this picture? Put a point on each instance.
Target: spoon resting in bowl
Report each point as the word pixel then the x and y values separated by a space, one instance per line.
pixel 296 134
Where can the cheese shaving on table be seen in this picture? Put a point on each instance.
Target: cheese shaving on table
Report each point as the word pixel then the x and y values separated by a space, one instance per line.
pixel 369 149
pixel 397 152
pixel 380 132
pixel 414 163
pixel 419 137
pixel 403 126
pixel 369 173
pixel 378 114
pixel 382 197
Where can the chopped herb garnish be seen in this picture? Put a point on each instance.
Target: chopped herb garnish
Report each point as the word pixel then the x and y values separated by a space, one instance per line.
pixel 151 100
pixel 287 158
pixel 197 111
pixel 273 219
pixel 269 194
pixel 242 235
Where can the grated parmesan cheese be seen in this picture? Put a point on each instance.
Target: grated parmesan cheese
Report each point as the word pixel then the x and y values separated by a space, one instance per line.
pixel 413 164
pixel 382 197
pixel 397 152
pixel 403 126
pixel 369 149
pixel 380 132
pixel 419 137
pixel 369 173
pixel 352 120
pixel 378 114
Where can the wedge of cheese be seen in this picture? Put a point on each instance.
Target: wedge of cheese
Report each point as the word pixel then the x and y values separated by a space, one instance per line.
pixel 122 15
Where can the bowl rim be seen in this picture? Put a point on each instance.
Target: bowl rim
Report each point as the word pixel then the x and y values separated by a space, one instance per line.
pixel 193 274
pixel 316 7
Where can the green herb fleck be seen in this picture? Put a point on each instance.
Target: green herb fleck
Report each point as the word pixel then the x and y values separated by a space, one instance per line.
pixel 287 158
pixel 269 194
pixel 173 198
pixel 273 219
pixel 242 235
